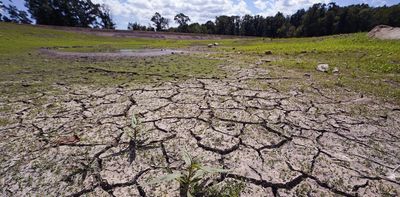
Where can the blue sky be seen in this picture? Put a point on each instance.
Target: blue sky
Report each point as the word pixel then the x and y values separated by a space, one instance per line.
pixel 125 11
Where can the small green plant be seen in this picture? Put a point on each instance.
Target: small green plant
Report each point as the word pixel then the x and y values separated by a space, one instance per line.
pixel 192 179
pixel 226 189
pixel 135 141
pixel 339 81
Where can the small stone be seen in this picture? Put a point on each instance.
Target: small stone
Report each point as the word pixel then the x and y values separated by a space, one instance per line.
pixel 312 110
pixel 230 125
pixel 87 114
pixel 268 52
pixel 210 45
pixel 307 75
pixel 335 70
pixel 266 60
pixel 216 44
pixel 323 67
pixel 68 140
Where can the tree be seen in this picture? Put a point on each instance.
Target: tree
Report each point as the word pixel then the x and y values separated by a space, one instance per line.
pixel 312 22
pixel 160 22
pixel 76 13
pixel 197 28
pixel 278 21
pixel 297 18
pixel 247 26
pixel 394 16
pixel 150 28
pixel 105 16
pixel 210 27
pixel 136 27
pixel 12 14
pixel 227 24
pixel 1 10
pixel 182 20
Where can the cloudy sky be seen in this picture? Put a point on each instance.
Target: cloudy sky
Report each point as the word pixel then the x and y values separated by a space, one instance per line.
pixel 125 11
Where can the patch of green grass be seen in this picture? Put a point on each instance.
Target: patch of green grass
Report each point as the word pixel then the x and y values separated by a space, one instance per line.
pixel 5 108
pixel 16 39
pixel 353 51
pixel 366 65
pixel 29 74
pixel 4 122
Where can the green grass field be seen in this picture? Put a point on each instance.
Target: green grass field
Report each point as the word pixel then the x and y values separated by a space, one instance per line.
pixel 366 65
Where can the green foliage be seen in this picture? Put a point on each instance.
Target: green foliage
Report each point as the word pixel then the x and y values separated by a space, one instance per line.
pixel 226 189
pixel 104 13
pixel 12 14
pixel 318 20
pixel 134 131
pixel 192 179
pixel 136 26
pixel 160 22
pixel 77 13
pixel 181 19
pixel 134 142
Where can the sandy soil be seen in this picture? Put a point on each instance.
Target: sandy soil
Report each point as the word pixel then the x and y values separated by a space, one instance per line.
pixel 302 142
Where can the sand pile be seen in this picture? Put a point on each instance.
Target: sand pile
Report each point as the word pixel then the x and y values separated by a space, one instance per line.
pixel 385 32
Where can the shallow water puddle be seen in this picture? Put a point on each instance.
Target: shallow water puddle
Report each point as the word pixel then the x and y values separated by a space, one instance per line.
pixel 118 53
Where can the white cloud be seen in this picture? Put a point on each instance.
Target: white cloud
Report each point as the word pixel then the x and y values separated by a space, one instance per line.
pixel 271 7
pixel 141 11
pixel 378 2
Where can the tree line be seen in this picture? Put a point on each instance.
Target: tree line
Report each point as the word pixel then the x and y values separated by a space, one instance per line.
pixel 317 20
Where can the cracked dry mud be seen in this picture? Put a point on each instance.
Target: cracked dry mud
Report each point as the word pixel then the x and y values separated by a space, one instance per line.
pixel 282 143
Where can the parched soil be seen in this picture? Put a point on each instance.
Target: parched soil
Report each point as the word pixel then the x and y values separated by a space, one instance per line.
pixel 301 142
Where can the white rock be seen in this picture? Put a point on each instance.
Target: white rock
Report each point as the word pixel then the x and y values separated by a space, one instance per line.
pixel 335 70
pixel 323 67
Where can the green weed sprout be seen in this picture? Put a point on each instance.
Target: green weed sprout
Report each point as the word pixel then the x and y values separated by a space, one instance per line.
pixel 191 180
pixel 133 142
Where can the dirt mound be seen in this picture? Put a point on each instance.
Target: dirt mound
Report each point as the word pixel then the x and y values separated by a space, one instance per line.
pixel 385 32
